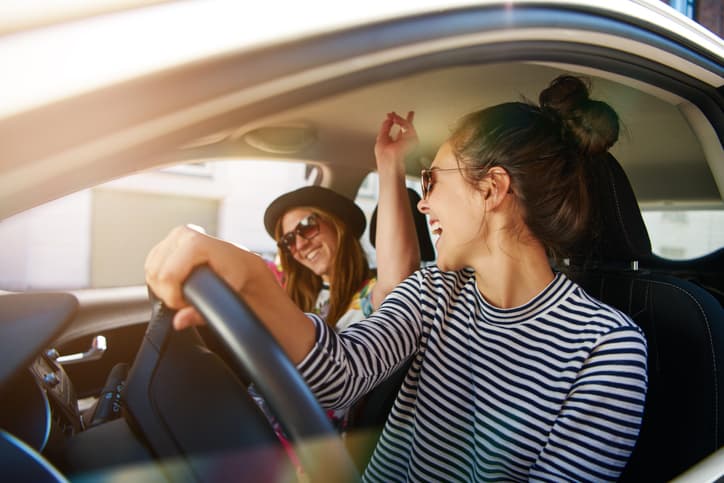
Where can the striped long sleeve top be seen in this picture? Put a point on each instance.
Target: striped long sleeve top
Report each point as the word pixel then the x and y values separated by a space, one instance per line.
pixel 549 391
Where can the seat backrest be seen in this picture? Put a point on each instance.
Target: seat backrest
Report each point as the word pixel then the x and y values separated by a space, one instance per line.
pixel 706 271
pixel 627 238
pixel 684 327
pixel 427 252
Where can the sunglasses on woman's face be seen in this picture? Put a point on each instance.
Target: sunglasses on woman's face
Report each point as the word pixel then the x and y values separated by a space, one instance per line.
pixel 307 228
pixel 426 179
pixel 427 182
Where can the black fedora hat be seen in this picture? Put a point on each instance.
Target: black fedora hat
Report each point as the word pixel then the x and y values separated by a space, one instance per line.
pixel 316 197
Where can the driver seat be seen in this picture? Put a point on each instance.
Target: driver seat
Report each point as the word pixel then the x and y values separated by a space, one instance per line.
pixel 684 326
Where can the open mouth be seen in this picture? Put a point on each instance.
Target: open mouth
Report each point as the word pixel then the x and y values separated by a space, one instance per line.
pixel 312 255
pixel 435 228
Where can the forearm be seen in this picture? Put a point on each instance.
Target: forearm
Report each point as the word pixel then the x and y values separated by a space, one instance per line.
pixel 343 366
pixel 397 248
pixel 286 322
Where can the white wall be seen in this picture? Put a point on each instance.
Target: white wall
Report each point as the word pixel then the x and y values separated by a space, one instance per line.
pixel 685 234
pixel 101 237
pixel 47 247
pixel 250 187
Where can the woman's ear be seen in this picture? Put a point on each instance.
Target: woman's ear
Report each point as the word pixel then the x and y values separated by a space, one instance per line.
pixel 497 186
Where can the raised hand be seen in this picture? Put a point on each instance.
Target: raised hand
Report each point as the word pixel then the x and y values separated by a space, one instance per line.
pixel 392 149
pixel 397 249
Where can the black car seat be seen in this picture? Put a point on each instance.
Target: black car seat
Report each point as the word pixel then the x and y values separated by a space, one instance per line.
pixel 706 271
pixel 684 326
pixel 427 252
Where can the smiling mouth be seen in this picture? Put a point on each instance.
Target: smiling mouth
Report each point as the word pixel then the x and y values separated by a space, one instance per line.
pixel 435 228
pixel 312 254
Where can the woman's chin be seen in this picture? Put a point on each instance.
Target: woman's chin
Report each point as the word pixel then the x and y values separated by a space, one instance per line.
pixel 318 269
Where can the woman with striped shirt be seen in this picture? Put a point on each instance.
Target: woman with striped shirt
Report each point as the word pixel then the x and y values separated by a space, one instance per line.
pixel 517 374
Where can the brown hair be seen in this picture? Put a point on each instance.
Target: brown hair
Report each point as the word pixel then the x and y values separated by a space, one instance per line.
pixel 546 151
pixel 349 271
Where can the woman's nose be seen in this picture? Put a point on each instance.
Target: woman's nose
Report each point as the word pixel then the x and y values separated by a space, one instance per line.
pixel 300 242
pixel 423 206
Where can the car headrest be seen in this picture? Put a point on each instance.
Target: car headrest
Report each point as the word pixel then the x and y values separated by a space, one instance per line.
pixel 427 252
pixel 620 234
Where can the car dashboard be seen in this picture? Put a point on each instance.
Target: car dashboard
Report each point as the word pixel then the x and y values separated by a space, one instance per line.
pixel 136 416
pixel 41 415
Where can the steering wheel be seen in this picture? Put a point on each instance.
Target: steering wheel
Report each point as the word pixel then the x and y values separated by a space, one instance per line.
pixel 256 353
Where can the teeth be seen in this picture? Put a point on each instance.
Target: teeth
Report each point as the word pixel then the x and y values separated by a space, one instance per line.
pixel 435 228
pixel 312 254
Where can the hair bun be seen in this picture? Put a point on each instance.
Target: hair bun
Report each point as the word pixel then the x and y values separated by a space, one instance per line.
pixel 592 126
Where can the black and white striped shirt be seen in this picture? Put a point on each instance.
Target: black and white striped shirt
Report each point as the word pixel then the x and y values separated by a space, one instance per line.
pixel 552 390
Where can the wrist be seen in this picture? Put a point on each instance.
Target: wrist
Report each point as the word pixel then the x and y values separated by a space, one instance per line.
pixel 391 167
pixel 237 266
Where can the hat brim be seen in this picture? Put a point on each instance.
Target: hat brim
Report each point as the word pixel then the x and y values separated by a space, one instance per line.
pixel 317 197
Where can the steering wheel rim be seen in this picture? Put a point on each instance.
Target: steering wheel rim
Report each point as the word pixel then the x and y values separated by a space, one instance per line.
pixel 255 352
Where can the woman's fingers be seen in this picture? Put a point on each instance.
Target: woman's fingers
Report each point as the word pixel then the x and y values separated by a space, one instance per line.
pixel 391 147
pixel 384 133
pixel 169 263
pixel 187 317
pixel 407 128
pixel 405 124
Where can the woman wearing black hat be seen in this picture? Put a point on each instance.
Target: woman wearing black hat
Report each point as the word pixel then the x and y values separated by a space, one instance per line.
pixel 324 267
pixel 318 234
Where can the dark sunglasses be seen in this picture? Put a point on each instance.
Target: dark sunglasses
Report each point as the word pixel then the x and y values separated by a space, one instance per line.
pixel 427 182
pixel 426 179
pixel 307 228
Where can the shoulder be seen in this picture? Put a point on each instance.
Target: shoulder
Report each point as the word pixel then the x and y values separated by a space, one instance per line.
pixel 602 318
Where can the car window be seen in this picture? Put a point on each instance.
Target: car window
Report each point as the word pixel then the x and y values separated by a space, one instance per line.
pixel 684 234
pixel 100 237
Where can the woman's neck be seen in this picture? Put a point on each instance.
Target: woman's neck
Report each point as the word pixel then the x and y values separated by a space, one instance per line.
pixel 512 273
